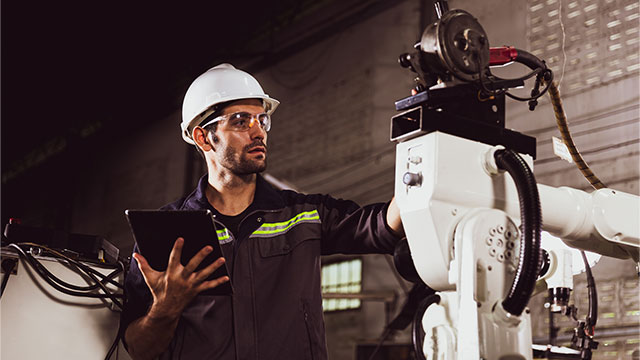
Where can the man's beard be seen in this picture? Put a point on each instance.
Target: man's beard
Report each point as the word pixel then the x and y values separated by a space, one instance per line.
pixel 240 164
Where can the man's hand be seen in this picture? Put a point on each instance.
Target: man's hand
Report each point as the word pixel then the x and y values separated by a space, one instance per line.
pixel 393 218
pixel 174 288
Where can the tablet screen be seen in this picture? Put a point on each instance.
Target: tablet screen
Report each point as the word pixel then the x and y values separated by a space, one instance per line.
pixel 155 232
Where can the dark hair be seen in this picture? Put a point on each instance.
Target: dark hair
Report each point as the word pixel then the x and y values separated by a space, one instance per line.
pixel 212 129
pixel 217 109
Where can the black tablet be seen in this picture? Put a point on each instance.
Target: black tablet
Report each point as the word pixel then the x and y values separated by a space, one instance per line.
pixel 155 232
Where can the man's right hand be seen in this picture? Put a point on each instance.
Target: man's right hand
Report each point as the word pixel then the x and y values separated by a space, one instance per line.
pixel 174 288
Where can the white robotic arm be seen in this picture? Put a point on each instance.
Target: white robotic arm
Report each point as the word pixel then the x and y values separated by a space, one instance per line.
pixel 461 217
pixel 455 177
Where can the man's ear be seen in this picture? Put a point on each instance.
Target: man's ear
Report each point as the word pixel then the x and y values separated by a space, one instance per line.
pixel 200 138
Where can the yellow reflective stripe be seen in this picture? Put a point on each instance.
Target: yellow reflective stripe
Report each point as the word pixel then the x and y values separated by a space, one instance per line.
pixel 224 236
pixel 274 228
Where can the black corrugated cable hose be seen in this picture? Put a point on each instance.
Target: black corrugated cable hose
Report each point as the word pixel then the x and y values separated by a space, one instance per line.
pixel 531 218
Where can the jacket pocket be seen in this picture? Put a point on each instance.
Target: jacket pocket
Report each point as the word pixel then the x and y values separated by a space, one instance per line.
pixel 312 331
pixel 286 243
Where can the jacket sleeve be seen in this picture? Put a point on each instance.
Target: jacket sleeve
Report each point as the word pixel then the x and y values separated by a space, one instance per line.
pixel 138 297
pixel 348 228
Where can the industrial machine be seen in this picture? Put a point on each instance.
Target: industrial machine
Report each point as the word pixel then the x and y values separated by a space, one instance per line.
pixel 62 292
pixel 472 210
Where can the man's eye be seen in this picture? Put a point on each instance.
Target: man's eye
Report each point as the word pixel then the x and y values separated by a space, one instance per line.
pixel 240 119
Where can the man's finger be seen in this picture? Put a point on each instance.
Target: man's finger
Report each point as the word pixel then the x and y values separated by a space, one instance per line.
pixel 196 260
pixel 176 253
pixel 148 273
pixel 212 283
pixel 203 274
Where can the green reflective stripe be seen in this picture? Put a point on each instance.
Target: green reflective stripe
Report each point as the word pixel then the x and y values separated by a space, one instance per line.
pixel 282 227
pixel 224 236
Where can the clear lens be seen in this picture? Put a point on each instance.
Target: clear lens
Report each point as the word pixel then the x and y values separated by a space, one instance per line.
pixel 265 121
pixel 242 121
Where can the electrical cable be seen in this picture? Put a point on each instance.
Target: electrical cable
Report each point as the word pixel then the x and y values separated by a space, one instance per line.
pixel 531 218
pixel 8 265
pixel 61 282
pixel 592 315
pixel 539 69
pixel 108 278
pixel 536 71
pixel 561 121
pixel 539 95
pixel 36 266
pixel 528 76
pixel 417 334
pixel 383 337
pixel 5 280
pixel 87 270
pixel 418 292
pixel 71 289
pixel 528 59
pixel 564 37
pixel 113 347
pixel 482 81
pixel 396 275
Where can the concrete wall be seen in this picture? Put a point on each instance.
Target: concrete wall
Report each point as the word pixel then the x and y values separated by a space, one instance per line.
pixel 140 170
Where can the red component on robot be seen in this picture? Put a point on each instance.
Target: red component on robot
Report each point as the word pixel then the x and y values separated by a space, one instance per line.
pixel 502 55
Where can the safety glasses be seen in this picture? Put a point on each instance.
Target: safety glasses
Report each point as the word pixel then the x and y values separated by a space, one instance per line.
pixel 241 121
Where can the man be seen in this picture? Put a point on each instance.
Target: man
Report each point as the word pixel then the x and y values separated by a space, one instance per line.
pixel 272 241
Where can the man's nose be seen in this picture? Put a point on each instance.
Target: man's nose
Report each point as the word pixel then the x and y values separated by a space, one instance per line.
pixel 256 131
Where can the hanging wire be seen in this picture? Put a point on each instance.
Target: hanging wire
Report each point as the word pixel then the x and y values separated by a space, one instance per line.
pixel 564 50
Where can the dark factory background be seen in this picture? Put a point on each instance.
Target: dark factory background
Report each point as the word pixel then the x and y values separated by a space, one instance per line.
pixel 91 98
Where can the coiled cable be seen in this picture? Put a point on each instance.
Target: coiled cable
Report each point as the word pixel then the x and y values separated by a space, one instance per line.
pixel 561 121
pixel 563 127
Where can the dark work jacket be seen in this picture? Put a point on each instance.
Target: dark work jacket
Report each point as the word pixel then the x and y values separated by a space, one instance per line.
pixel 275 311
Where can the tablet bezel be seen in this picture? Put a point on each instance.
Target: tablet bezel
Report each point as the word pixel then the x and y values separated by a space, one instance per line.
pixel 155 232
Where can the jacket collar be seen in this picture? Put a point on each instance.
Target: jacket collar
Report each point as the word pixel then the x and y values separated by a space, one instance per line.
pixel 266 197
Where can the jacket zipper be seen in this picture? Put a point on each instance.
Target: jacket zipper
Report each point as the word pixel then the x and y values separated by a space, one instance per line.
pixel 236 246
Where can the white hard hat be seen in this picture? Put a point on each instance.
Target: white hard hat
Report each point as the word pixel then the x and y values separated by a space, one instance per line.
pixel 218 85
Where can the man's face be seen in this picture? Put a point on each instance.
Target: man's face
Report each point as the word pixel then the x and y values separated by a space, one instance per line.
pixel 241 152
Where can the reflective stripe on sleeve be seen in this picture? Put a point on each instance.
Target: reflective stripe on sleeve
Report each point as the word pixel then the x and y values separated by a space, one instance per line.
pixel 273 229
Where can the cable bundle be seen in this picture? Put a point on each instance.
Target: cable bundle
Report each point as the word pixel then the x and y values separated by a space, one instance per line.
pixel 97 281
